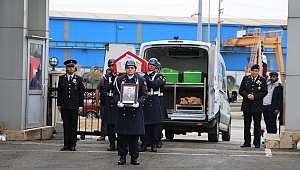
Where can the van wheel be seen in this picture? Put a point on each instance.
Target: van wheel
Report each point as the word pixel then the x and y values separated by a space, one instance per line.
pixel 214 135
pixel 169 134
pixel 226 135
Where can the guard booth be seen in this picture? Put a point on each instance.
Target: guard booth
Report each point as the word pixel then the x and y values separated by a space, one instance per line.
pixel 24 32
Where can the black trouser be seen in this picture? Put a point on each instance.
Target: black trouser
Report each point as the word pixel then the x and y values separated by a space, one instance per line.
pixel 160 134
pixel 133 145
pixel 151 133
pixel 111 132
pixel 247 125
pixel 70 119
pixel 103 125
pixel 270 119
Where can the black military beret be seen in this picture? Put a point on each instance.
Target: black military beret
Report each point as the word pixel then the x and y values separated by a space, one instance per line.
pixel 273 74
pixel 255 66
pixel 70 62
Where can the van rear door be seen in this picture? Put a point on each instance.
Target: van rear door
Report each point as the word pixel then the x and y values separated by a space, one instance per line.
pixel 213 86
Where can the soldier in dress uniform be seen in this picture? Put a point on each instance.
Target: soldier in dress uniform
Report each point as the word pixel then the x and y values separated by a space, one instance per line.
pixel 100 103
pixel 162 105
pixel 130 120
pixel 110 109
pixel 253 89
pixel 70 103
pixel 151 108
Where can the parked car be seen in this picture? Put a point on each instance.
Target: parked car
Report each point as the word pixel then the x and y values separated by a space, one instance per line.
pixel 90 110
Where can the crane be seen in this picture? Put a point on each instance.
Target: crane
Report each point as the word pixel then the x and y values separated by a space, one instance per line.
pixel 257 41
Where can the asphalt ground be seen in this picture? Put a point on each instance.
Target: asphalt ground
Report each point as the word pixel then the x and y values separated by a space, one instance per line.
pixel 184 152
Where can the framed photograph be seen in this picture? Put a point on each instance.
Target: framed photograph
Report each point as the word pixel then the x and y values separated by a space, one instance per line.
pixel 129 94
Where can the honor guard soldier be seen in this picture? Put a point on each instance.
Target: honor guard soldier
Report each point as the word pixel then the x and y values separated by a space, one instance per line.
pixel 70 103
pixel 130 120
pixel 253 89
pixel 152 109
pixel 163 106
pixel 100 103
pixel 110 110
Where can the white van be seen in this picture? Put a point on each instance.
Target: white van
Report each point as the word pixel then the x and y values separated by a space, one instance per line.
pixel 213 116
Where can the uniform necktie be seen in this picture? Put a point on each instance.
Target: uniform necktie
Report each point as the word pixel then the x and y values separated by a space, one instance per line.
pixel 70 78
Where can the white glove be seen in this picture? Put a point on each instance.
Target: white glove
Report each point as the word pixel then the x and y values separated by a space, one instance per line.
pixel 136 105
pixel 120 105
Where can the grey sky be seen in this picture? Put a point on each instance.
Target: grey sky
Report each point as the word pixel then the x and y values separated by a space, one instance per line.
pixel 258 9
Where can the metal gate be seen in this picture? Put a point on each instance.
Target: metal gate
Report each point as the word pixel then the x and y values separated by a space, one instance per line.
pixel 89 121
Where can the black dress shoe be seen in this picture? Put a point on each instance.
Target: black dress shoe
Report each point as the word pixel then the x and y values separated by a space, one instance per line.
pixel 245 145
pixel 134 161
pixel 257 146
pixel 65 148
pixel 122 160
pixel 72 148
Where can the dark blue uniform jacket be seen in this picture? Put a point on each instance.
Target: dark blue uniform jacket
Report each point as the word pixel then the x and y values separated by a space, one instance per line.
pixel 130 121
pixel 70 93
pixel 258 89
pixel 152 107
pixel 110 110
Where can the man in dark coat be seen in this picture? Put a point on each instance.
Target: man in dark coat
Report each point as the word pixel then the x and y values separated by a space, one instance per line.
pixel 130 120
pixel 70 103
pixel 152 109
pixel 110 110
pixel 253 89
pixel 272 102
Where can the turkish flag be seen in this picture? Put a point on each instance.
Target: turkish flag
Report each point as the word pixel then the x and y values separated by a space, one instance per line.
pixel 34 66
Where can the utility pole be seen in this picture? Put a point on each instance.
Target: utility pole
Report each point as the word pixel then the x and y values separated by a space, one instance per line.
pixel 208 24
pixel 219 25
pixel 199 37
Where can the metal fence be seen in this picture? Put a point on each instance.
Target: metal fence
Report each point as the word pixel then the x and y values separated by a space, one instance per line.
pixel 89 121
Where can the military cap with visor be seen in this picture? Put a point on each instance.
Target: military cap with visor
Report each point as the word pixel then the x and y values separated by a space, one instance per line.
pixel 70 62
pixel 255 66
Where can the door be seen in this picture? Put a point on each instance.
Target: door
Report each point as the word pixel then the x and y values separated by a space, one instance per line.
pixel 36 83
pixel 213 87
pixel 224 104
